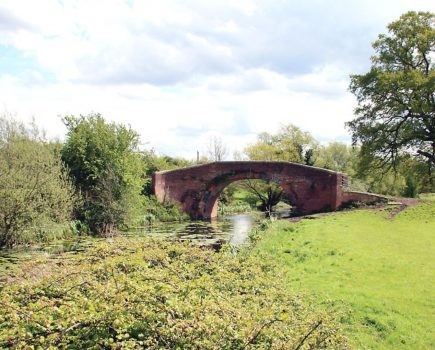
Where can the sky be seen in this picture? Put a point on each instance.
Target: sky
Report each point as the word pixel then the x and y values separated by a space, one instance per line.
pixel 183 72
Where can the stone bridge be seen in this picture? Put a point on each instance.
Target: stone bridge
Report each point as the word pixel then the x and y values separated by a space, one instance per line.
pixel 309 189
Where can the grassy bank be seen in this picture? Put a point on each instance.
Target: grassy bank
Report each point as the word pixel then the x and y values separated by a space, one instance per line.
pixel 376 271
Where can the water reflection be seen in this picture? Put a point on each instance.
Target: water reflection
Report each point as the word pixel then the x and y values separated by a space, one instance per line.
pixel 233 229
pixel 241 226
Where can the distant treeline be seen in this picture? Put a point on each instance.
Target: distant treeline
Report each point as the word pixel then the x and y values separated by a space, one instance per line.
pixel 98 181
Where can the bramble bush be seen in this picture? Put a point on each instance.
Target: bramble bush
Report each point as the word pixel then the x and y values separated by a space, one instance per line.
pixel 160 294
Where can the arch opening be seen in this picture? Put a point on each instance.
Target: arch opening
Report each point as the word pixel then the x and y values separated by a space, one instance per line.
pixel 254 195
pixel 265 190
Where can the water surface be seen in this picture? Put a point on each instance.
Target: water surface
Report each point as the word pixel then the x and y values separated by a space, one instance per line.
pixel 232 229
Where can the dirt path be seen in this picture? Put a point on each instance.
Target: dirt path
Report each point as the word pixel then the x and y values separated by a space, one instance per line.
pixel 401 202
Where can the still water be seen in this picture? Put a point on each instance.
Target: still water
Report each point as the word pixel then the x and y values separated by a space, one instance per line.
pixel 232 229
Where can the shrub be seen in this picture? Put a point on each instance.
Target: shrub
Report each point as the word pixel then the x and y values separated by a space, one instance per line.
pixel 34 187
pixel 161 294
pixel 104 162
pixel 235 207
pixel 161 211
pixel 411 189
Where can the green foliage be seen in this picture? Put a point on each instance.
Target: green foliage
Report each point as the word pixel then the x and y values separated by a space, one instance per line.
pixel 290 144
pixel 395 182
pixel 160 294
pixel 427 197
pixel 155 210
pixel 104 163
pixel 338 156
pixel 396 106
pixel 34 188
pixel 374 270
pixel 411 188
pixel 236 199
pixel 153 162
pixel 235 207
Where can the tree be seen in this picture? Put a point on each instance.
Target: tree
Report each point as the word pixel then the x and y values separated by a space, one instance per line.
pixel 396 103
pixel 106 167
pixel 267 193
pixel 34 186
pixel 337 156
pixel 216 150
pixel 290 144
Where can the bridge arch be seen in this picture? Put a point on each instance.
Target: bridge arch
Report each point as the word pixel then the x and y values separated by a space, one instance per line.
pixel 210 197
pixel 309 189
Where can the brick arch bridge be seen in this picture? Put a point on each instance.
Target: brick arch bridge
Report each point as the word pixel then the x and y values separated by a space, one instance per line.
pixel 309 189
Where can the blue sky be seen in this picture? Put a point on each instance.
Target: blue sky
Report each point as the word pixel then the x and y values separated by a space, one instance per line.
pixel 182 72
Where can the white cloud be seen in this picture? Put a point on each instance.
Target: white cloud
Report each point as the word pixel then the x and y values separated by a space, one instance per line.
pixel 179 72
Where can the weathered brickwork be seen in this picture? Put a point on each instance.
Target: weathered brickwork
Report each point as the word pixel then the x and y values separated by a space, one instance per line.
pixel 197 188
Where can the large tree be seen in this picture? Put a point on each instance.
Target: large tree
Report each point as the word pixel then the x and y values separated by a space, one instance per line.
pixel 337 156
pixel 396 103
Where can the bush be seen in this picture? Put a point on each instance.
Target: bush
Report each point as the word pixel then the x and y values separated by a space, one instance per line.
pixel 410 190
pixel 104 162
pixel 161 295
pixel 155 210
pixel 34 187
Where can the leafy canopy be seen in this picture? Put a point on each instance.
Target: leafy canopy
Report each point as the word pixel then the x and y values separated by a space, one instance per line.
pixel 396 102
pixel 290 144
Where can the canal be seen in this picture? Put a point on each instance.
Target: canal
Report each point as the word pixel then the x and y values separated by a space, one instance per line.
pixel 232 229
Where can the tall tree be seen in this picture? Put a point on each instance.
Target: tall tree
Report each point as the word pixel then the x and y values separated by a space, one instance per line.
pixel 396 102
pixel 103 160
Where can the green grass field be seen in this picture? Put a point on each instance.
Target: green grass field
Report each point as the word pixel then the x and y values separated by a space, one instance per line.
pixel 377 272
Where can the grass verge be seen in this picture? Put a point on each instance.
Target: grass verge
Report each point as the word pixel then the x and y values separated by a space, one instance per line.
pixel 376 271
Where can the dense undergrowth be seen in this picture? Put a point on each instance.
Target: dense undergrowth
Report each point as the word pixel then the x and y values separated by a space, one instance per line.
pixel 156 211
pixel 159 294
